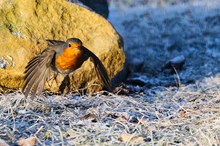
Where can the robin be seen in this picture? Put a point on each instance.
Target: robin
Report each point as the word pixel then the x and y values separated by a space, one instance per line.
pixel 61 57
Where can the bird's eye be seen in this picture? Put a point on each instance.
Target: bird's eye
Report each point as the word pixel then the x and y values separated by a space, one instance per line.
pixel 69 45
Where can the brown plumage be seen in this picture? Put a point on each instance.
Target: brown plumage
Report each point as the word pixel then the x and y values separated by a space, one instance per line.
pixel 62 57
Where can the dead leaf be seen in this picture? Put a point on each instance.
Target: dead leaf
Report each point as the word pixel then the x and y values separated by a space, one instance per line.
pixel 88 116
pixel 182 85
pixel 31 141
pixel 121 119
pixel 182 114
pixel 3 143
pixel 131 138
pixel 91 110
pixel 121 90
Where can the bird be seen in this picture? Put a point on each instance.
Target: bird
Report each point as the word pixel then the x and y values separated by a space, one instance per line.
pixel 62 57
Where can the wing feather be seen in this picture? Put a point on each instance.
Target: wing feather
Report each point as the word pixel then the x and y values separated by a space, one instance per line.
pixel 99 68
pixel 37 72
pixel 55 42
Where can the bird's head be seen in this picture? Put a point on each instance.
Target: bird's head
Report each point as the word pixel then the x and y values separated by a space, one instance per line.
pixel 74 43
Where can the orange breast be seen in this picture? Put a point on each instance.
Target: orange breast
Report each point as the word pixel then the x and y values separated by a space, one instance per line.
pixel 69 59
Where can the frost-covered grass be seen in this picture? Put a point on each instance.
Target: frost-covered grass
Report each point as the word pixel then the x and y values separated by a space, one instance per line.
pixel 155 113
pixel 163 116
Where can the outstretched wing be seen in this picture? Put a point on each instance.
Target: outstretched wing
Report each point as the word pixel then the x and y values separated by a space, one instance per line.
pixel 37 72
pixel 99 68
pixel 55 42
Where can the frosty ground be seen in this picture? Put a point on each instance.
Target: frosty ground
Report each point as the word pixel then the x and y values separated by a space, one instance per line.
pixel 162 107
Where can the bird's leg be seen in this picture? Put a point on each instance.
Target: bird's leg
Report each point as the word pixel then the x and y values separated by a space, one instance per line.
pixel 54 77
pixel 65 83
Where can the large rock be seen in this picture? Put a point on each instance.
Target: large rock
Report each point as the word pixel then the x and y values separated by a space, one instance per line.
pixel 26 24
